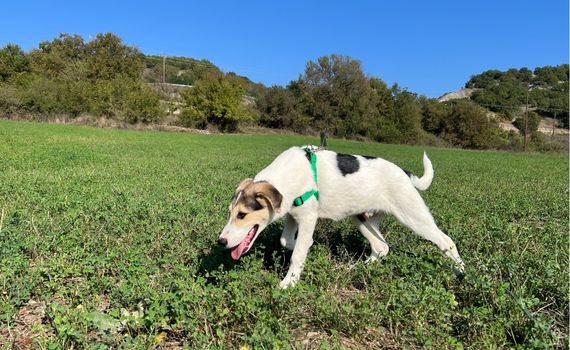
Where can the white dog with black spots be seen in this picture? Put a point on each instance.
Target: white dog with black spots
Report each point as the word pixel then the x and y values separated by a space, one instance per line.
pixel 304 184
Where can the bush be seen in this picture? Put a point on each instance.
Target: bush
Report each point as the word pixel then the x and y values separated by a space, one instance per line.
pixel 214 101
pixel 532 123
pixel 469 126
pixel 10 101
pixel 38 94
pixel 548 144
pixel 431 140
pixel 72 97
pixel 193 120
pixel 125 99
pixel 142 104
pixel 102 99
pixel 278 108
pixel 387 131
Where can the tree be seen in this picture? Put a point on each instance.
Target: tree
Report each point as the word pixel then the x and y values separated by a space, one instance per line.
pixel 12 61
pixel 382 98
pixel 214 101
pixel 277 107
pixel 337 94
pixel 303 119
pixel 434 115
pixel 378 121
pixel 51 58
pixel 532 123
pixel 468 126
pixel 407 115
pixel 251 88
pixel 107 58
pixel 504 97
pixel 548 75
pixel 484 80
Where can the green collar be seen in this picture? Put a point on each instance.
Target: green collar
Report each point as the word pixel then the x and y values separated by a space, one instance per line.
pixel 305 196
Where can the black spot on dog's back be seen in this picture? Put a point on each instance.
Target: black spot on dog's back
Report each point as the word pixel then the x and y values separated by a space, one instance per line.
pixel 369 157
pixel 409 173
pixel 347 163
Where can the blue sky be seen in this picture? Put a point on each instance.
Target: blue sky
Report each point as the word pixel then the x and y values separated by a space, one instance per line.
pixel 429 47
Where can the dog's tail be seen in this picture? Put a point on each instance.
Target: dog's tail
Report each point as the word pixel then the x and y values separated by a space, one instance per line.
pixel 422 183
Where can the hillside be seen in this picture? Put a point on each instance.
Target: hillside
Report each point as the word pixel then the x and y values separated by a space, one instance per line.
pixel 456 95
pixel 547 125
pixel 177 70
pixel 504 94
pixel 545 89
pixel 187 71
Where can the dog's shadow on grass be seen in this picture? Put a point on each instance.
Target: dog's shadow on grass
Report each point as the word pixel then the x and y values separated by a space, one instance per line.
pixel 342 243
pixel 213 259
pixel 274 256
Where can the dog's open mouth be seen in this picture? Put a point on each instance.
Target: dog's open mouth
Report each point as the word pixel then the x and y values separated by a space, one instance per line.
pixel 244 245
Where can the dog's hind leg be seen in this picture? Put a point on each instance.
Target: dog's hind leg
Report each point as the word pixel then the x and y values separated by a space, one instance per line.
pixel 413 213
pixel 290 228
pixel 370 228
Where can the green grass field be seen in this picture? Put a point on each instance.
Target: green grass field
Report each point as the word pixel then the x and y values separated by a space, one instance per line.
pixel 108 240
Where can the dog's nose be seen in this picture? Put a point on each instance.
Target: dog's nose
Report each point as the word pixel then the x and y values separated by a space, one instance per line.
pixel 222 241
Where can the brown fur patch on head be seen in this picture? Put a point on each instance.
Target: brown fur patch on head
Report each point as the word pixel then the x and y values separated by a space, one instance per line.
pixel 269 193
pixel 246 210
pixel 242 185
pixel 253 203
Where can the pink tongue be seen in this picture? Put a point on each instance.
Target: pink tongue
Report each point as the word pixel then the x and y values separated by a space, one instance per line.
pixel 238 250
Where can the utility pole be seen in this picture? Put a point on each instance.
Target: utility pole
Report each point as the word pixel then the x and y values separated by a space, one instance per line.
pixel 163 69
pixel 554 123
pixel 526 120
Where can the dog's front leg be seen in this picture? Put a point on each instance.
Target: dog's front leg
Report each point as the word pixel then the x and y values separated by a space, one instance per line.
pixel 302 245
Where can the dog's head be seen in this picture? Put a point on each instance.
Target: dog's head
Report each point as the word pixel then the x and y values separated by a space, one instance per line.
pixel 252 208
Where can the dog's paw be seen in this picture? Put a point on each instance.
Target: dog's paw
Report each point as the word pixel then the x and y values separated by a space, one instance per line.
pixel 287 243
pixel 459 273
pixel 459 268
pixel 287 282
pixel 371 259
pixel 375 256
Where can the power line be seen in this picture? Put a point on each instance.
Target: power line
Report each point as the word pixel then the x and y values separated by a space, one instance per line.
pixel 514 107
pixel 551 109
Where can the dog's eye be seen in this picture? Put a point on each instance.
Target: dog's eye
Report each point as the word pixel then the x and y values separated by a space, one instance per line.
pixel 241 215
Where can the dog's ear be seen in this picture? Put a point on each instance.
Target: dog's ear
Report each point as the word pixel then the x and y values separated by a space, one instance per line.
pixel 243 184
pixel 267 192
